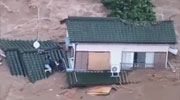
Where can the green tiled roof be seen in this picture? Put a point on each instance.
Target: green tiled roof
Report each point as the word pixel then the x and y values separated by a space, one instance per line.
pixel 94 78
pixel 114 30
pixel 34 63
pixel 24 60
pixel 22 45
pixel 15 65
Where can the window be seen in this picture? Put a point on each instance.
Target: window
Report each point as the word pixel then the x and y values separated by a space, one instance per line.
pixel 149 59
pixel 99 61
pixel 127 60
pixel 92 60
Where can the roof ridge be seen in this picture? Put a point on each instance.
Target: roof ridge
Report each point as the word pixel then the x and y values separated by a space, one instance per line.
pixel 109 18
pixel 115 19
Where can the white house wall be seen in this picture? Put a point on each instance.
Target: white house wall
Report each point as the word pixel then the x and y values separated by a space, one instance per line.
pixel 117 49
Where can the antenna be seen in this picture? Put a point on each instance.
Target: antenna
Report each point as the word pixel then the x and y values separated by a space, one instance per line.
pixel 38 19
pixel 36 44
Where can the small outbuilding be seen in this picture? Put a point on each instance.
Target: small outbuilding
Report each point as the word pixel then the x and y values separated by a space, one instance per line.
pixel 113 44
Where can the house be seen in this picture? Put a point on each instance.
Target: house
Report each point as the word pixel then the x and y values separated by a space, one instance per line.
pixel 112 44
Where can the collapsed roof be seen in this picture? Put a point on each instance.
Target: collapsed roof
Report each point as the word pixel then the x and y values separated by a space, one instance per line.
pixel 24 60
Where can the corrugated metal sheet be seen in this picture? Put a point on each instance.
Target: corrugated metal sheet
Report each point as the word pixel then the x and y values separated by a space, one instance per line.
pixel 24 60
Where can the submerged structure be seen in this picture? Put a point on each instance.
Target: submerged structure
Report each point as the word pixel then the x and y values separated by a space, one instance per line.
pixel 24 60
pixel 97 50
pixel 113 45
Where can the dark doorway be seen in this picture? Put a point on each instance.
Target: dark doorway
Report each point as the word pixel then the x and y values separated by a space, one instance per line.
pixel 139 59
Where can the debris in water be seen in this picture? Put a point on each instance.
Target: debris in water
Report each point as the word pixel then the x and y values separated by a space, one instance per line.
pixel 100 90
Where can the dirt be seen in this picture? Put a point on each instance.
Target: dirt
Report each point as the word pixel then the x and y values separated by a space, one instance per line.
pixel 19 17
pixel 169 10
pixel 19 21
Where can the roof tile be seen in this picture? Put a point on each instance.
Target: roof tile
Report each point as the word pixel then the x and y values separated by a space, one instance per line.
pixel 23 59
pixel 114 30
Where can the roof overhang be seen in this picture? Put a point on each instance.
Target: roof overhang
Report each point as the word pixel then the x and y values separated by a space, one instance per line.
pixel 124 42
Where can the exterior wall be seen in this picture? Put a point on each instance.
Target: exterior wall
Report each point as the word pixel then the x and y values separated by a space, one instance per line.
pixel 117 49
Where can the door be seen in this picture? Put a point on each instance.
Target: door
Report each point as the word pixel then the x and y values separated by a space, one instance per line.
pixel 140 59
pixel 127 60
pixel 149 60
pixel 160 60
pixel 99 61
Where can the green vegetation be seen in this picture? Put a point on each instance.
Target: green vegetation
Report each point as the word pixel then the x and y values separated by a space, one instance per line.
pixel 136 10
